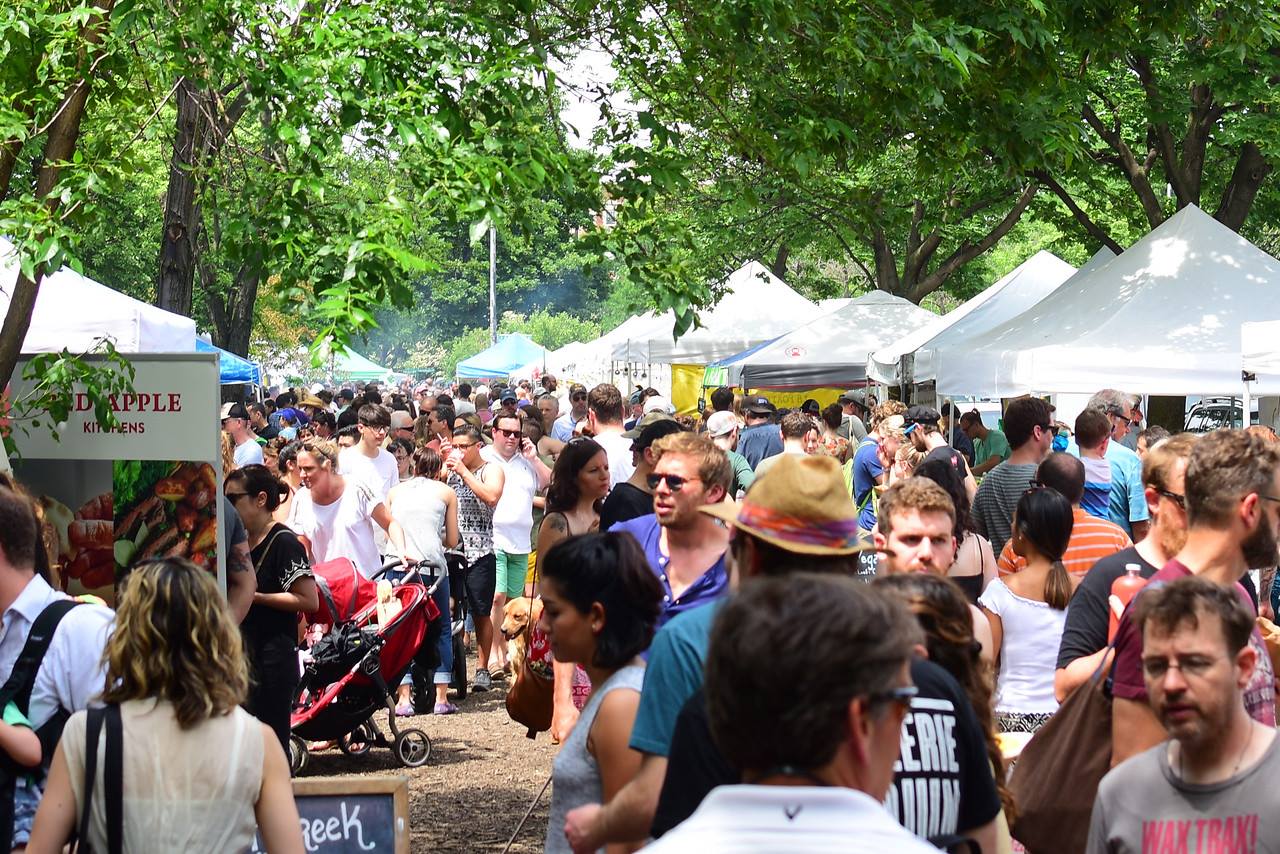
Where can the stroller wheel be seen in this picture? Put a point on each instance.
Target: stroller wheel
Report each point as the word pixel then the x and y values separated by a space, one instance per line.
pixel 298 755
pixel 357 742
pixel 413 748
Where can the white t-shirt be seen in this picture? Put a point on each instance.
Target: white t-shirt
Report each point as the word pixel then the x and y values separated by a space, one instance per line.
pixel 343 528
pixel 248 453
pixel 618 449
pixel 380 472
pixel 513 517
pixel 788 819
pixel 1029 651
pixel 463 407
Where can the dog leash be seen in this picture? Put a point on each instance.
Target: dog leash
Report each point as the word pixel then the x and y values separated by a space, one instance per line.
pixel 527 813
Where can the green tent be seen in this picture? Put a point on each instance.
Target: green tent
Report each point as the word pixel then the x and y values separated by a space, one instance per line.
pixel 351 365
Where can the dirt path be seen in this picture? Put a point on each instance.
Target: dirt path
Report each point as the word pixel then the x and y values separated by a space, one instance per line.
pixel 482 776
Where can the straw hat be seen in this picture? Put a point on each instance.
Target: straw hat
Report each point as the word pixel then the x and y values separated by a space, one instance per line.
pixel 312 401
pixel 801 505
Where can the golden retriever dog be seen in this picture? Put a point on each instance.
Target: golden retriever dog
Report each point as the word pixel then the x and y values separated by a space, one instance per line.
pixel 516 616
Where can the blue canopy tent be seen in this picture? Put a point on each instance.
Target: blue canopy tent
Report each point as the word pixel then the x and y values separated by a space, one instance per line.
pixel 511 353
pixel 232 368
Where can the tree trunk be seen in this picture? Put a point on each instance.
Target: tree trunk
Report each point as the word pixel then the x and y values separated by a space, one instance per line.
pixel 1246 179
pixel 779 265
pixel 177 262
pixel 232 313
pixel 59 146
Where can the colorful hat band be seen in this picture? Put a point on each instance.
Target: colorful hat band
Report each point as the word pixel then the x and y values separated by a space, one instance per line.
pixel 832 533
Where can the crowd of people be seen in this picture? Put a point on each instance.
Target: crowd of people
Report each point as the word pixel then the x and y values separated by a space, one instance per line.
pixel 814 629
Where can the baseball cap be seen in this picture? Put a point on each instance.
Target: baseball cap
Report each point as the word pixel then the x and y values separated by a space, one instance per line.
pixel 758 405
pixel 420 388
pixel 507 394
pixel 721 424
pixel 577 388
pixel 921 415
pixel 855 395
pixel 234 410
pixel 345 394
pixel 811 407
pixel 655 431
pixel 649 419
pixel 658 403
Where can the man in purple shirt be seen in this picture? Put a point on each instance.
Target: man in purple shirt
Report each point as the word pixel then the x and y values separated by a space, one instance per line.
pixel 685 548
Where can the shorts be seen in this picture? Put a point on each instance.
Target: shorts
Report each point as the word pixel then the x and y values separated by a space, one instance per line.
pixel 512 569
pixel 479 585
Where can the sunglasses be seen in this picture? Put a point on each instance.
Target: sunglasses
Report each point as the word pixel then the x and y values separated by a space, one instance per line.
pixel 577 397
pixel 1180 500
pixel 233 497
pixel 506 432
pixel 1114 413
pixel 901 696
pixel 675 482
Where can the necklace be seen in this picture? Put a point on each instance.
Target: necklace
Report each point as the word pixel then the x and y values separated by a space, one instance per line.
pixel 1239 761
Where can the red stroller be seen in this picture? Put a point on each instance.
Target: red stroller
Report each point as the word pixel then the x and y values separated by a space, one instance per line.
pixel 357 664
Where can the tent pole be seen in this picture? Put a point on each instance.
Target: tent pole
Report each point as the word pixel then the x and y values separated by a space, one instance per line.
pixel 1246 402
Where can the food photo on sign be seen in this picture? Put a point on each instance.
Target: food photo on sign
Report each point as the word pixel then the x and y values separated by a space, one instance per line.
pixel 164 509
pixel 76 499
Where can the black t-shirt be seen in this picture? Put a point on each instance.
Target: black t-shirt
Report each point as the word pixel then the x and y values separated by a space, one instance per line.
pixel 942 783
pixel 1085 631
pixel 624 502
pixel 280 560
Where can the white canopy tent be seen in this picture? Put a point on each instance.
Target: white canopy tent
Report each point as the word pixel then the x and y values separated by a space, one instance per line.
pixel 831 350
pixel 910 359
pixel 756 306
pixel 1162 318
pixel 74 312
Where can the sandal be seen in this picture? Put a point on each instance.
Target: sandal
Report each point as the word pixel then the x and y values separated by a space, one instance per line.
pixel 444 709
pixel 405 710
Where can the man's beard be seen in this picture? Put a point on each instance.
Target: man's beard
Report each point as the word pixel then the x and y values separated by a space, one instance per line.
pixel 1259 548
pixel 1171 539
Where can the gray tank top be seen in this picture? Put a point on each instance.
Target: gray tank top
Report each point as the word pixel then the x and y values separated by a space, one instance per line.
pixel 575 774
pixel 420 512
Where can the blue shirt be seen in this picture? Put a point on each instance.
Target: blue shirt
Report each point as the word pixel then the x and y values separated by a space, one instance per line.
pixel 562 427
pixel 1097 488
pixel 1128 501
pixel 711 585
pixel 672 676
pixel 866 468
pixel 760 441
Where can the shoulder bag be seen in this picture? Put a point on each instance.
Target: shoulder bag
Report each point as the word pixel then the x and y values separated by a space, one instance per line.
pixel 1057 774
pixel 531 697
pixel 112 778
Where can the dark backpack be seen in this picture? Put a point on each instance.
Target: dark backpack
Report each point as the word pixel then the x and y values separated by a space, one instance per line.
pixel 336 653
pixel 17 690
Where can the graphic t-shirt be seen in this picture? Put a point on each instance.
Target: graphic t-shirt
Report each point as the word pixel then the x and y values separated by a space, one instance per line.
pixel 942 782
pixel 1142 806
pixel 1126 673
pixel 1097 487
pixel 475 518
pixel 280 560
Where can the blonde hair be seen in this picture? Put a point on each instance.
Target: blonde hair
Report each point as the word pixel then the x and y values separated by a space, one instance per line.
pixel 174 640
pixel 321 449
pixel 228 453
pixel 908 454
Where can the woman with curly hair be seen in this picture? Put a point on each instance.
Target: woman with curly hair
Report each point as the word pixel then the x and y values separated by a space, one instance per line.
pixel 202 775
pixel 940 607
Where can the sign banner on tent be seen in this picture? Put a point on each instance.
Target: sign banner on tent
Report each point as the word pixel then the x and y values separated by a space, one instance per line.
pixel 147 488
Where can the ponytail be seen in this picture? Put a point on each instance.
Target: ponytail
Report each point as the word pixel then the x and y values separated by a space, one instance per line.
pixel 1057 587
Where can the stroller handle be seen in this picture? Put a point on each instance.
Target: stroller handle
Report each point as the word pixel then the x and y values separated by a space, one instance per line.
pixel 391 564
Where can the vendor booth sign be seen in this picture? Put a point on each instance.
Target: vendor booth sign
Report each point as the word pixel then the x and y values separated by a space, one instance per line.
pixel 147 487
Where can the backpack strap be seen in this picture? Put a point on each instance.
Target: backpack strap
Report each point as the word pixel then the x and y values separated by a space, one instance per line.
pixel 112 776
pixel 17 689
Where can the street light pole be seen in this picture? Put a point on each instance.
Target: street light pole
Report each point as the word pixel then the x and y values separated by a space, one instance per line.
pixel 493 286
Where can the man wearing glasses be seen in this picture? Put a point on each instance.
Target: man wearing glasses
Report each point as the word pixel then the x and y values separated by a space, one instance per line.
pixel 1232 495
pixel 1084 638
pixel 818 779
pixel 370 463
pixel 562 429
pixel 236 424
pixel 524 474
pixel 1029 429
pixel 1209 787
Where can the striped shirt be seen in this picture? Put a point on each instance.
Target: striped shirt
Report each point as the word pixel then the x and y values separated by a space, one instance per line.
pixel 998 497
pixel 1092 539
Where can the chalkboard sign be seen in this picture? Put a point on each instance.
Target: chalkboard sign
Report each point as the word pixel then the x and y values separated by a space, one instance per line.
pixel 352 814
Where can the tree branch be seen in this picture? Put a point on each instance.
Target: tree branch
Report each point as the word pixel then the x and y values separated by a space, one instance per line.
pixel 1081 217
pixel 1129 165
